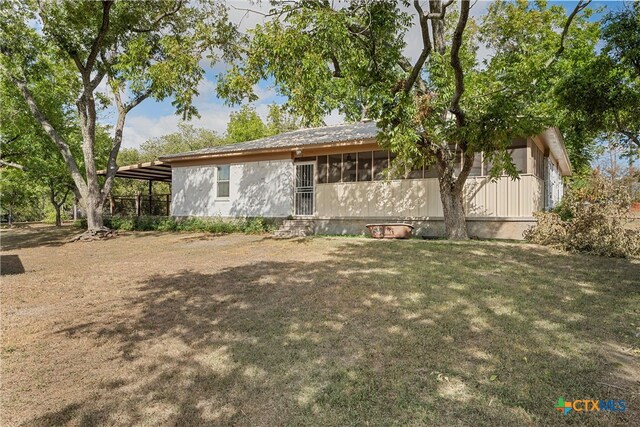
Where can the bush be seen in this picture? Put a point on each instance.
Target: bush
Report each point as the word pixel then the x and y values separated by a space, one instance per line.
pixel 590 219
pixel 207 225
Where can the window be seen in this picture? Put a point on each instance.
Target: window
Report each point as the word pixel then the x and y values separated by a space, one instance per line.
pixel 476 169
pixel 349 167
pixel 380 163
pixel 431 171
pixel 519 157
pixel 364 166
pixel 335 165
pixel 223 181
pixel 323 169
pixel 415 173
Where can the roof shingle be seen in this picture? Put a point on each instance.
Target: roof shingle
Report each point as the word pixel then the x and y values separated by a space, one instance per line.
pixel 296 138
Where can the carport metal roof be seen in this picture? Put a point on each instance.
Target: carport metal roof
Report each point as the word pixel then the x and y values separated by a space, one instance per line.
pixel 150 171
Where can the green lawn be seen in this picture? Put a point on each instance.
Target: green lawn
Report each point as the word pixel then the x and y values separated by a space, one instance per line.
pixel 244 330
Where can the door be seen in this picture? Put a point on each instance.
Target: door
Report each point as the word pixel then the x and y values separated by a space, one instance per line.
pixel 304 191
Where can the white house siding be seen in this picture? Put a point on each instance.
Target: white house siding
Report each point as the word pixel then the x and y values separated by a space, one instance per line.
pixel 262 188
pixel 420 198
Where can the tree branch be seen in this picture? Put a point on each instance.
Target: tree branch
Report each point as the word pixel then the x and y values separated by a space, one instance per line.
pixel 53 134
pixel 10 140
pixel 159 18
pixel 337 72
pixel 13 165
pixel 426 51
pixel 635 138
pixel 97 42
pixel 581 5
pixel 456 44
pixel 138 99
pixel 440 14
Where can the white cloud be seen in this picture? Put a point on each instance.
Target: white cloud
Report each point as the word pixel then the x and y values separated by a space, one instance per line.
pixel 140 128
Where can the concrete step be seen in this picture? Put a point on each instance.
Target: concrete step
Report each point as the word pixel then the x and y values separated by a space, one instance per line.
pixel 298 221
pixel 294 228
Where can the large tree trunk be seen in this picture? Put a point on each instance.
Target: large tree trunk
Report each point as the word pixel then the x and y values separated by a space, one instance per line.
pixel 455 224
pixel 93 207
pixel 452 191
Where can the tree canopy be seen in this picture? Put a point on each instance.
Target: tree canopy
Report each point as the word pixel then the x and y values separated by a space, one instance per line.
pixel 141 49
pixel 602 94
pixel 441 107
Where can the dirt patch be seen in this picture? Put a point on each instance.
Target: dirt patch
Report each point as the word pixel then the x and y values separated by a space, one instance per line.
pixel 193 329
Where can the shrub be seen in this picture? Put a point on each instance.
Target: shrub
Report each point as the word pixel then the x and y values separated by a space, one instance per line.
pixel 256 226
pixel 590 219
pixel 207 225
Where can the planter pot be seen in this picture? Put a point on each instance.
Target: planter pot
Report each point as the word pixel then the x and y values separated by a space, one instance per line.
pixel 635 206
pixel 390 231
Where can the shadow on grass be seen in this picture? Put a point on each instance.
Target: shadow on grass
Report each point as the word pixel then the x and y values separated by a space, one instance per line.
pixel 380 333
pixel 32 236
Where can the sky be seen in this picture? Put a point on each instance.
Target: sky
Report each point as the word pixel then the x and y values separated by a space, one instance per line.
pixel 152 119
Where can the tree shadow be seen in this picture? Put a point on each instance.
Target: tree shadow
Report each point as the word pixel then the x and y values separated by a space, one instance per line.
pixel 35 236
pixel 378 332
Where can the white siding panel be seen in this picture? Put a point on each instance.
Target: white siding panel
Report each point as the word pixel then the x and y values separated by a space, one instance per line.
pixel 256 189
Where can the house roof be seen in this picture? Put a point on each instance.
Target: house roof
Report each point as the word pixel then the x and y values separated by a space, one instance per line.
pixel 289 140
pixel 553 139
pixel 331 135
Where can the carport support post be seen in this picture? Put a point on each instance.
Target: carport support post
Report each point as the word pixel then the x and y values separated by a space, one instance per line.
pixel 138 203
pixel 150 197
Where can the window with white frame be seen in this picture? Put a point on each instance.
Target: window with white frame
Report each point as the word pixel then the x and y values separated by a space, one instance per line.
pixel 222 190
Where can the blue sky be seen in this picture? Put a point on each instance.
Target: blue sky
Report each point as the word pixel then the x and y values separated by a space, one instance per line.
pixel 152 119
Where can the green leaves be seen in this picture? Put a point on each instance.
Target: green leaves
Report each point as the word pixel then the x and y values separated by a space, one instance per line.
pixel 601 93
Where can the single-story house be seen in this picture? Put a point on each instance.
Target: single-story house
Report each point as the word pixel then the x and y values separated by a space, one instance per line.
pixel 333 178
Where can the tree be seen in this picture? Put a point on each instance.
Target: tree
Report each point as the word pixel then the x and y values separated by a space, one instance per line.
pixel 280 121
pixel 186 138
pixel 19 198
pixel 445 105
pixel 605 91
pixel 142 49
pixel 245 125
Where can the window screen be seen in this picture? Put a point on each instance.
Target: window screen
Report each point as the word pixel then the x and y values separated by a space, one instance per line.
pixel 476 169
pixel 519 157
pixel 323 169
pixel 380 163
pixel 364 166
pixel 349 167
pixel 335 167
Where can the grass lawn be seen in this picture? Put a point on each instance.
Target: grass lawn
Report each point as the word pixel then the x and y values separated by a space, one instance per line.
pixel 188 329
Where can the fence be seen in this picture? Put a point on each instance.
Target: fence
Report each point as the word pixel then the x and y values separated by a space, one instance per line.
pixel 138 205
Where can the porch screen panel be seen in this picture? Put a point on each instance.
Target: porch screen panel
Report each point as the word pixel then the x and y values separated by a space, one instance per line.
pixel 364 166
pixel 349 167
pixel 380 163
pixel 335 168
pixel 323 170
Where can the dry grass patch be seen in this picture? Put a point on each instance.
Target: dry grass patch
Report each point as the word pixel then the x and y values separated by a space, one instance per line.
pixel 182 329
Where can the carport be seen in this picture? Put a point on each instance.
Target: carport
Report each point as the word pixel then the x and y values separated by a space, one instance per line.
pixel 150 204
